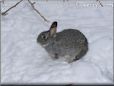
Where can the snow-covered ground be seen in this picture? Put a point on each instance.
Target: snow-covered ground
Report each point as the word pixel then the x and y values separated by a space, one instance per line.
pixel 23 60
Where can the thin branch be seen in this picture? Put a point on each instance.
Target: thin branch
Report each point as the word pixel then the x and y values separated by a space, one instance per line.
pixel 5 12
pixel 100 3
pixel 32 4
pixel 65 0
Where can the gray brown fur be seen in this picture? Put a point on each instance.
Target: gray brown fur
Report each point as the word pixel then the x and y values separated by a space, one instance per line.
pixel 69 44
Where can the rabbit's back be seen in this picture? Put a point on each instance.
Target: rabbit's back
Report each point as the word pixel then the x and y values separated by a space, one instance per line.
pixel 70 38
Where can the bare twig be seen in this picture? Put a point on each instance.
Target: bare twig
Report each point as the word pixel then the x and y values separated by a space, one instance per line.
pixel 100 3
pixel 5 12
pixel 65 0
pixel 32 4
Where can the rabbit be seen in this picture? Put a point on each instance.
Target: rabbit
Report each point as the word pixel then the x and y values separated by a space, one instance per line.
pixel 70 44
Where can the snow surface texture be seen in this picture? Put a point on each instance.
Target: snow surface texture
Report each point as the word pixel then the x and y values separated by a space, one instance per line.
pixel 23 60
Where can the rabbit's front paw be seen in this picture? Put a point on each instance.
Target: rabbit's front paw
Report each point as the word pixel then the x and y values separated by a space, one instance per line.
pixel 54 56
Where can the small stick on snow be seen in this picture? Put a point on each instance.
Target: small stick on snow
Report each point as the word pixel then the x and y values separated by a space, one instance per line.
pixel 32 4
pixel 100 3
pixel 5 12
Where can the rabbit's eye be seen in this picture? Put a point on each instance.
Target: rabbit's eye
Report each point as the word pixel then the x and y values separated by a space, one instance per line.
pixel 44 37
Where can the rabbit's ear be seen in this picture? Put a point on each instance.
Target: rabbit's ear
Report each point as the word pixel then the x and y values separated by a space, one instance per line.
pixel 53 28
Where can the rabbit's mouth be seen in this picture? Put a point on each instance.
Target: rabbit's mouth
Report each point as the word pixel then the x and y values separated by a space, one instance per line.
pixel 44 45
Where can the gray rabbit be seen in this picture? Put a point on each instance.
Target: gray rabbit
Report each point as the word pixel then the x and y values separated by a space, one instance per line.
pixel 69 44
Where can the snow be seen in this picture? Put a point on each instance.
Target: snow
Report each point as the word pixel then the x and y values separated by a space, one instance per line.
pixel 23 60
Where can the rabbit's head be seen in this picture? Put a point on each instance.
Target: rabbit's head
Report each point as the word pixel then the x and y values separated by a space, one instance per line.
pixel 46 37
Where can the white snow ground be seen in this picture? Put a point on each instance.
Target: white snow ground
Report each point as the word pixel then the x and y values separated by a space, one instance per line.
pixel 25 61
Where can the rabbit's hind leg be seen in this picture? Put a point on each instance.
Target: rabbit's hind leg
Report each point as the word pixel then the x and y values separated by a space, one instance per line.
pixel 81 54
pixel 69 58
